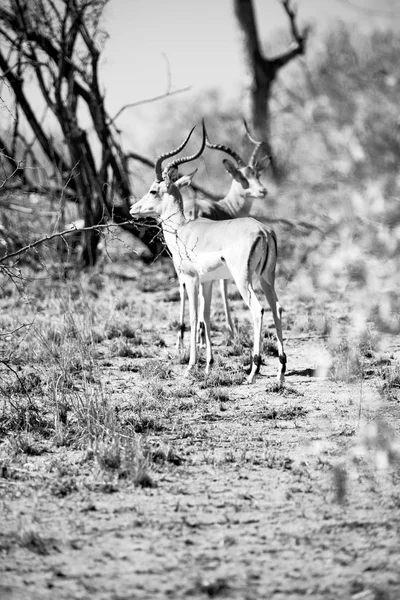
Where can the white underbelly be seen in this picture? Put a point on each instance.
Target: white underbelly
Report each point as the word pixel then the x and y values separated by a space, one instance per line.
pixel 221 272
pixel 207 267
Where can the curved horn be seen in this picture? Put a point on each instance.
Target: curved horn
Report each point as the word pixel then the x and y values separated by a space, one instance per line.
pixel 253 159
pixel 185 159
pixel 162 157
pixel 227 150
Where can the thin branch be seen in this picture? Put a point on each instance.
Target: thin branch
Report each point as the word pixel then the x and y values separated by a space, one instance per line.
pixel 21 383
pixel 17 87
pixel 148 100
pixel 299 43
pixel 47 238
pixel 291 13
pixel 8 177
pixel 7 333
pixel 143 159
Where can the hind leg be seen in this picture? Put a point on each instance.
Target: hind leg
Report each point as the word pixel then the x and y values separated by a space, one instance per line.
pixel 246 290
pixel 270 294
pixel 181 332
pixel 206 293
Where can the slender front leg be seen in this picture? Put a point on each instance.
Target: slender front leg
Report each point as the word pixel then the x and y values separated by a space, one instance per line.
pixel 181 332
pixel 206 294
pixel 192 288
pixel 224 294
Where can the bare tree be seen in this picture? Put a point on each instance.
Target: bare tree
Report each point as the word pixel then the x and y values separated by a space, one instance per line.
pixel 263 71
pixel 49 59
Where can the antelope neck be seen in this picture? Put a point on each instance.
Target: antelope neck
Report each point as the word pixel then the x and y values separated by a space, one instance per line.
pixel 172 209
pixel 235 202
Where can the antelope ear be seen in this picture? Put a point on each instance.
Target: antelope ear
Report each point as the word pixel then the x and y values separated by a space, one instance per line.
pixel 185 180
pixel 236 173
pixel 230 167
pixel 260 166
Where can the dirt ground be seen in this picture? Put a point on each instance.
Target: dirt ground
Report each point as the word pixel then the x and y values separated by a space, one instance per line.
pixel 254 493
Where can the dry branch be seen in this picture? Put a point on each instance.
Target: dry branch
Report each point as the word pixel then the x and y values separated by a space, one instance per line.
pixel 148 101
pixel 58 234
pixel 57 48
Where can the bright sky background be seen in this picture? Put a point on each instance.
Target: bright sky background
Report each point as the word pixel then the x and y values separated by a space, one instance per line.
pixel 201 40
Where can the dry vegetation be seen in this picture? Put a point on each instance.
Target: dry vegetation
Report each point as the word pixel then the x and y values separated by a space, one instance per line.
pixel 121 479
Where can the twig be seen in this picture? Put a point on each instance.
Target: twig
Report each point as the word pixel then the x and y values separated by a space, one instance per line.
pixel 59 234
pixel 147 101
pixel 15 330
pixel 21 383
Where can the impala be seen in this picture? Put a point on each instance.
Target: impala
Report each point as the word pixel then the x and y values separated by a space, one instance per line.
pixel 203 250
pixel 245 188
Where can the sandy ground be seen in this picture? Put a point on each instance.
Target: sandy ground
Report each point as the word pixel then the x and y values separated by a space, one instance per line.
pixel 269 495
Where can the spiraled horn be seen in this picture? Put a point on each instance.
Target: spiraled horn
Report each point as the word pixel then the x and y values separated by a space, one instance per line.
pixel 162 157
pixel 185 159
pixel 227 150
pixel 258 144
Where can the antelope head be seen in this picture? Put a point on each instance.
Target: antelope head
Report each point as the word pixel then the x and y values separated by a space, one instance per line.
pixel 247 176
pixel 165 188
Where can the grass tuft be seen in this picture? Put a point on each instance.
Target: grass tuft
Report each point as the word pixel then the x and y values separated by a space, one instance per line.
pixel 153 369
pixel 284 413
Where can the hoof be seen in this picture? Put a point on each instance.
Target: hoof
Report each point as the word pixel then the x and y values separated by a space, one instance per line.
pixel 209 365
pixel 280 380
pixel 189 371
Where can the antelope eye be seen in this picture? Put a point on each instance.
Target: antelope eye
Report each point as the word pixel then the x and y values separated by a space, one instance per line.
pixel 153 192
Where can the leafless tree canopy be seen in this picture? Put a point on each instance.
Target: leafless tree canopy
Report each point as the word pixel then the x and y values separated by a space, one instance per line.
pixel 49 59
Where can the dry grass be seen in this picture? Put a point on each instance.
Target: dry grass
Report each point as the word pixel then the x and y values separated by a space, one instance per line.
pixel 93 397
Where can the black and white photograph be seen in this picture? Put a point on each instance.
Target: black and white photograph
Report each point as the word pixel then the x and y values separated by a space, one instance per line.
pixel 199 299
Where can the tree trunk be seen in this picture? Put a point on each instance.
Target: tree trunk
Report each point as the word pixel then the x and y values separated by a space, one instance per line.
pixel 262 71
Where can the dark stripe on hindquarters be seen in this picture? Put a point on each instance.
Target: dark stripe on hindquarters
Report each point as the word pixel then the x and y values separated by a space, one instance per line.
pixel 252 250
pixel 265 259
pixel 272 232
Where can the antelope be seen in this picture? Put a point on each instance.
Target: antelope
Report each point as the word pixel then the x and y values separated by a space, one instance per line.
pixel 203 250
pixel 245 188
